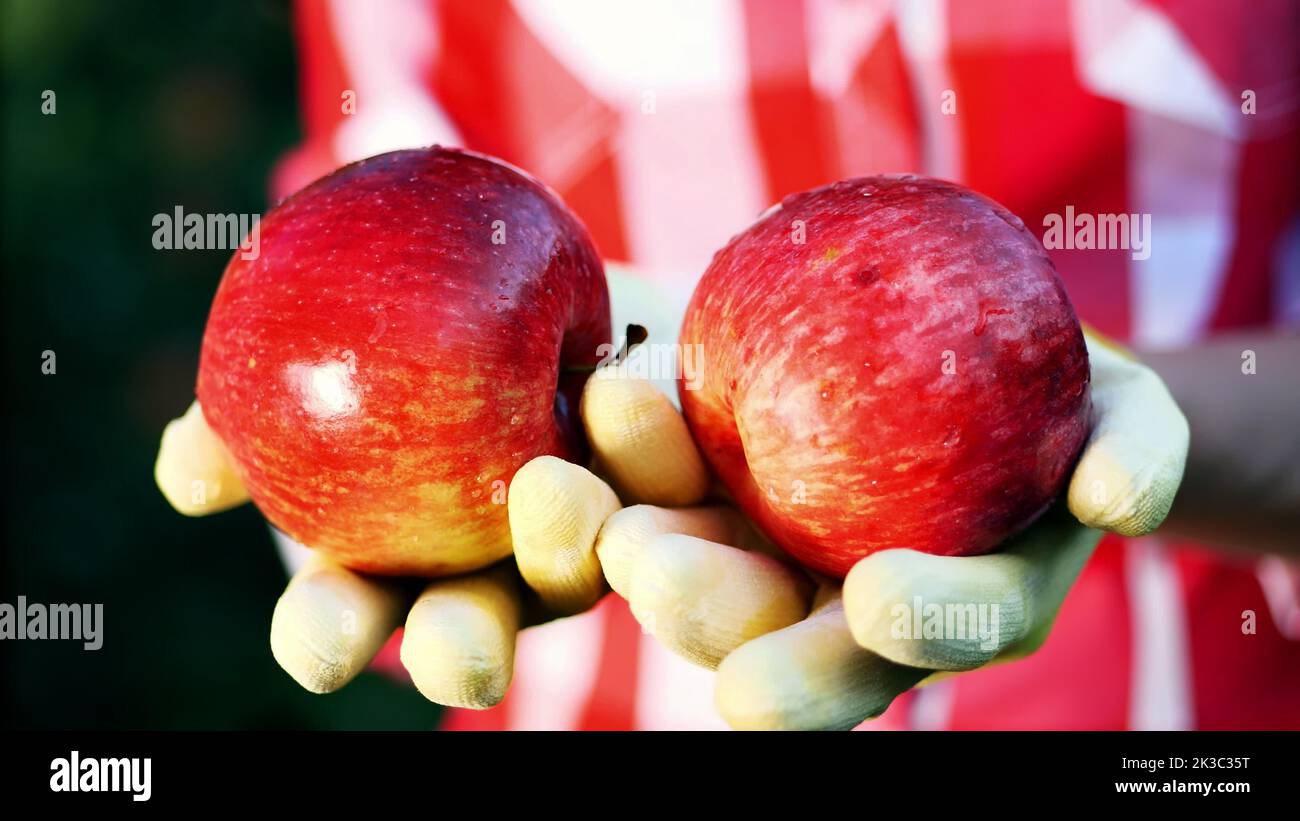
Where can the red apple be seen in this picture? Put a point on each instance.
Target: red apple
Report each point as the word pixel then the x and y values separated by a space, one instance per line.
pixel 890 362
pixel 397 350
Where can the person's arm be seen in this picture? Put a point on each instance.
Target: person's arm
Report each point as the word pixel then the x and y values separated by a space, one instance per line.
pixel 1241 489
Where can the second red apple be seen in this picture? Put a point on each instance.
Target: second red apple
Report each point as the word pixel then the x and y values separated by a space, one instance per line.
pixel 889 362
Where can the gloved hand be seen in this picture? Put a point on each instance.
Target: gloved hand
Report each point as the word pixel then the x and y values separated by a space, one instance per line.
pixel 797 652
pixel 459 640
pixel 791 652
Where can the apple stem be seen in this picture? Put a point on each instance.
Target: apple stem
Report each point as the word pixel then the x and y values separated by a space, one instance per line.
pixel 633 336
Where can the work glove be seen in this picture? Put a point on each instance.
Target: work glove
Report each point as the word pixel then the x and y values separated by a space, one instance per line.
pixel 795 651
pixel 459 639
pixel 792 650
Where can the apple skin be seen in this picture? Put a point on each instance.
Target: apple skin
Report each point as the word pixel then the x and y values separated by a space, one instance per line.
pixel 382 362
pixel 825 408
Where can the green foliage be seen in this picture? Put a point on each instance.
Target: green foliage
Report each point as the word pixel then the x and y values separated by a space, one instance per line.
pixel 157 105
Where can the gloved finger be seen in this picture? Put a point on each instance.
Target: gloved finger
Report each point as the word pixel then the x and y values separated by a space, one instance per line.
pixel 1133 462
pixel 702 599
pixel 641 440
pixel 556 509
pixel 625 534
pixel 811 675
pixel 193 469
pixel 330 622
pixel 959 612
pixel 459 642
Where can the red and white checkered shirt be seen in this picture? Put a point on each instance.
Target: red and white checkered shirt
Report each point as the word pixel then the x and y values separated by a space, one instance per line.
pixel 669 125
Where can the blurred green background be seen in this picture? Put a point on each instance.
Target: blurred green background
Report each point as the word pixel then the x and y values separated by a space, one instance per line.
pixel 157 105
